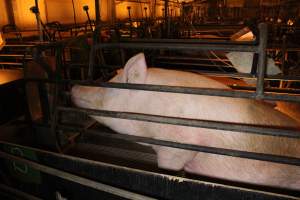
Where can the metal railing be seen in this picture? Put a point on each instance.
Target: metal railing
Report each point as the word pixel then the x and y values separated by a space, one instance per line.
pixel 259 93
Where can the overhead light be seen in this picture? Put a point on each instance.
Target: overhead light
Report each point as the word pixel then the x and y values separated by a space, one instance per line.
pixel 290 22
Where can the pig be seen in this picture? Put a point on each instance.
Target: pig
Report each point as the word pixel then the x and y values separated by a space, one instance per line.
pixel 222 109
pixel 242 62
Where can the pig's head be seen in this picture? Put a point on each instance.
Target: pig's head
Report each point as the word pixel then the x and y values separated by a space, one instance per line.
pixel 87 97
pixel 135 71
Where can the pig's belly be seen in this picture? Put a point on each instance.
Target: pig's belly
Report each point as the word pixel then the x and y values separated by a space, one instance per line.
pixel 245 170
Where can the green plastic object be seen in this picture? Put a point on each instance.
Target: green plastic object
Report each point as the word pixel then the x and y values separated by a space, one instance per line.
pixel 19 170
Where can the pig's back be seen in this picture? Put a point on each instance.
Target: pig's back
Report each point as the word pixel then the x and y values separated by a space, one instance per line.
pixel 181 78
pixel 207 107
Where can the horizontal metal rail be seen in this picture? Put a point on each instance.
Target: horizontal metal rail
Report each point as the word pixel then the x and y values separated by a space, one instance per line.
pixel 198 41
pixel 77 179
pixel 19 45
pixel 190 58
pixel 11 63
pixel 288 49
pixel 182 90
pixel 179 46
pixel 228 74
pixel 227 126
pixel 187 41
pixel 247 75
pixel 17 193
pixel 213 150
pixel 193 64
pixel 11 55
pixel 16 55
pixel 277 90
pixel 155 176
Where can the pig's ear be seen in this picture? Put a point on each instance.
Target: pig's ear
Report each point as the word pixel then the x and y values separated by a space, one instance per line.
pixel 135 70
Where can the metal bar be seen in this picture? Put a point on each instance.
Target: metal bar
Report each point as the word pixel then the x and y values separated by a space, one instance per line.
pixel 227 126
pixel 213 31
pixel 283 50
pixel 228 74
pixel 38 20
pixel 246 75
pixel 277 90
pixel 166 13
pixel 182 90
pixel 92 61
pixel 262 59
pixel 97 12
pixel 11 63
pixel 19 45
pixel 9 8
pixel 74 15
pixel 197 91
pixel 189 58
pixel 13 55
pixel 288 49
pixel 77 179
pixel 86 9
pixel 178 46
pixel 198 188
pixel 219 27
pixel 193 64
pixel 205 149
pixel 130 22
pixel 185 41
pixel 18 193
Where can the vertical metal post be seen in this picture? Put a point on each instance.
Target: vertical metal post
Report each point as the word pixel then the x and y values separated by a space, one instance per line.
pixel 166 18
pixel 169 25
pixel 130 22
pixel 145 9
pixel 46 11
pixel 284 52
pixel 97 10
pixel 74 13
pixel 262 60
pixel 283 59
pixel 113 12
pixel 38 20
pixel 86 9
pixel 153 13
pixel 10 12
pixel 74 17
pixel 91 63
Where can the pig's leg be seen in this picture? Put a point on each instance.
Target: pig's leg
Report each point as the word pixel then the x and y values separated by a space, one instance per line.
pixel 172 158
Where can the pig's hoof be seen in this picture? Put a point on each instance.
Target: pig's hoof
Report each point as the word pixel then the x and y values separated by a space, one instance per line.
pixel 181 173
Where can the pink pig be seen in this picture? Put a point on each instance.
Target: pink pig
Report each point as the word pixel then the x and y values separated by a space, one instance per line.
pixel 224 109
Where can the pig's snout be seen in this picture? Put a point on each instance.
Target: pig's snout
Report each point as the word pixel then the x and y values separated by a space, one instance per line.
pixel 79 97
pixel 87 97
pixel 75 94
